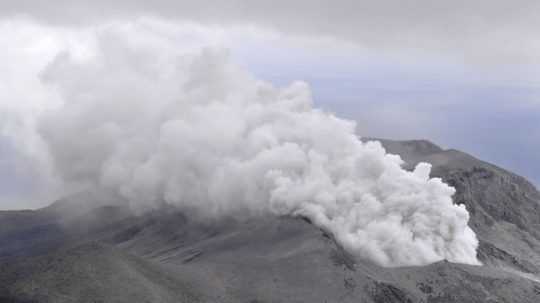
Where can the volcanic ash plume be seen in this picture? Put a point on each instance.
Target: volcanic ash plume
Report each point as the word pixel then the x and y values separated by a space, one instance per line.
pixel 196 131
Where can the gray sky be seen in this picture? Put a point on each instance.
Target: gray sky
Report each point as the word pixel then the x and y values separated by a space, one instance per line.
pixel 464 74
pixel 476 31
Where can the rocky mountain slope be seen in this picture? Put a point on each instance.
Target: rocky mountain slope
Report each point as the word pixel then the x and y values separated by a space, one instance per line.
pixel 70 252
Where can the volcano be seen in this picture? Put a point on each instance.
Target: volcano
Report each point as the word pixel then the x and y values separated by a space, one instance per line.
pixel 73 251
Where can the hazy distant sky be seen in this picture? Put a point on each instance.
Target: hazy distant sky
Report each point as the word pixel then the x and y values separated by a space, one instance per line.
pixel 464 74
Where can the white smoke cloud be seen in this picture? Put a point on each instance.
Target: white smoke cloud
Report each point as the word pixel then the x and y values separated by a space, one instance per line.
pixel 195 130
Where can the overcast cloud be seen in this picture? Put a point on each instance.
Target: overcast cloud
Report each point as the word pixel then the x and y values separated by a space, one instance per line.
pixel 476 31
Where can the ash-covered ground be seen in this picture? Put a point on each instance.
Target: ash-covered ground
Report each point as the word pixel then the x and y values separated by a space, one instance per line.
pixel 74 251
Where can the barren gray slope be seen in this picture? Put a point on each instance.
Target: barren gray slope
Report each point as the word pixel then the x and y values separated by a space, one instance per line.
pixel 109 255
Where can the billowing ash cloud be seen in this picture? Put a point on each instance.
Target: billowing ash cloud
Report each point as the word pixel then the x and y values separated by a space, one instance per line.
pixel 197 131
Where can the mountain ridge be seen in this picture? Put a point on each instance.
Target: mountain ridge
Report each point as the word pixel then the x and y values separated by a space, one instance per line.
pixel 108 254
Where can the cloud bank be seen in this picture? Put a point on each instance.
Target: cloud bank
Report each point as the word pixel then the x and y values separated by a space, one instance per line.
pixel 193 129
pixel 494 31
